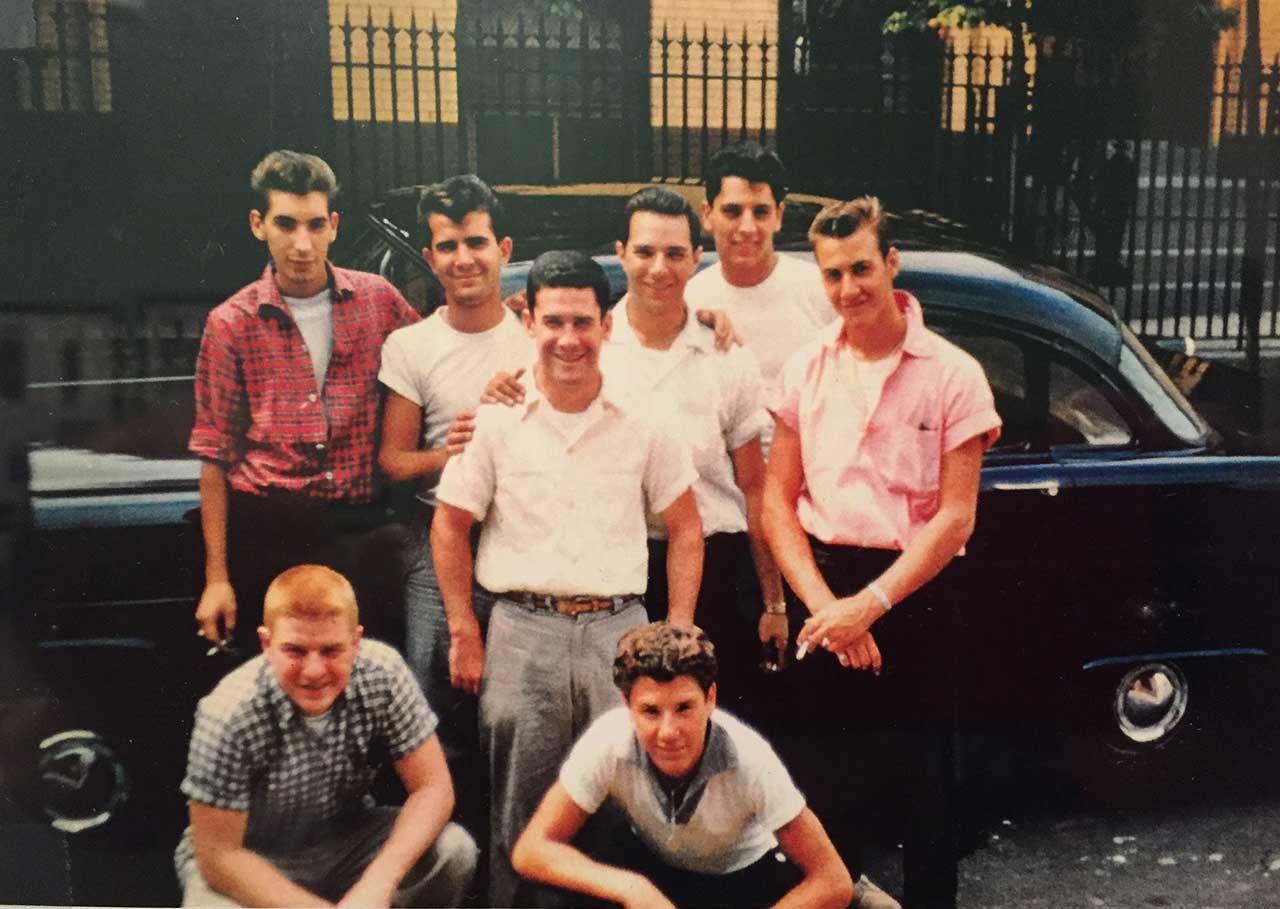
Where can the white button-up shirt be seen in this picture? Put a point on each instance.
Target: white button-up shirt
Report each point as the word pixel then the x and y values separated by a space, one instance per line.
pixel 717 403
pixel 564 514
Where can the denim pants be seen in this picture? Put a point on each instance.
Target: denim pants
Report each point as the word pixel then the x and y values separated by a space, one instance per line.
pixel 546 677
pixel 426 646
pixel 426 651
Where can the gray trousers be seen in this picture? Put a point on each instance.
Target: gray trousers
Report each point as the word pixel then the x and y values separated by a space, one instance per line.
pixel 329 868
pixel 546 677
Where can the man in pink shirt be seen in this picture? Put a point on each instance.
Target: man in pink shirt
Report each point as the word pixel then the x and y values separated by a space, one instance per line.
pixel 872 490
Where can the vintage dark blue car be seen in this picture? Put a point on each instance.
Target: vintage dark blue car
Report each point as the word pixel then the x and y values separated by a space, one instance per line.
pixel 1119 595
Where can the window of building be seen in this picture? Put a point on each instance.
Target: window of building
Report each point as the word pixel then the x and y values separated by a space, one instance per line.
pixel 65 67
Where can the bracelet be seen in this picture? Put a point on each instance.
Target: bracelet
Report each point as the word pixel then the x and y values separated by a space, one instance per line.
pixel 778 608
pixel 878 592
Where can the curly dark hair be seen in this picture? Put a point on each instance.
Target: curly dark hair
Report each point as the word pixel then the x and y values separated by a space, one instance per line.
pixel 662 651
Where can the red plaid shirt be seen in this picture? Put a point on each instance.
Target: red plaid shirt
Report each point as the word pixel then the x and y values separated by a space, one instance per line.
pixel 259 410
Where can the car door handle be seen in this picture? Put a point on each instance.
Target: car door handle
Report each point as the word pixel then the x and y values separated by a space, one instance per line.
pixel 1048 487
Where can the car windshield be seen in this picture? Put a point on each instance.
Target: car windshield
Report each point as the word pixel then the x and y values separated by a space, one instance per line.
pixel 1140 368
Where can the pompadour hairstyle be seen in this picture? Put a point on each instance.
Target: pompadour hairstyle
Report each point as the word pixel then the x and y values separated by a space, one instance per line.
pixel 749 160
pixel 661 201
pixel 843 219
pixel 292 172
pixel 457 197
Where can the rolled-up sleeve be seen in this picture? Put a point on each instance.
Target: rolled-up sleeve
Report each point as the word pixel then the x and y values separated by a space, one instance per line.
pixel 969 406
pixel 221 405
pixel 219 765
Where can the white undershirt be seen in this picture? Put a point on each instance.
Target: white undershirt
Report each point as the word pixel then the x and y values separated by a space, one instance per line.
pixel 567 423
pixel 313 316
pixel 864 379
pixel 319 725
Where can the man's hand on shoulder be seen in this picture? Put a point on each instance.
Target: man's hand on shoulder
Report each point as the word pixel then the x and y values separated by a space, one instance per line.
pixel 504 388
pixel 518 302
pixel 718 321
pixel 216 611
pixel 460 432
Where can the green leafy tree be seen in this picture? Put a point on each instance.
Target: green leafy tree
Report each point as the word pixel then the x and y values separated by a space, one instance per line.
pixel 1136 22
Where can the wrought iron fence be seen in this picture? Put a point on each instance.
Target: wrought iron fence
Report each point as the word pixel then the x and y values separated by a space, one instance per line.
pixel 529 101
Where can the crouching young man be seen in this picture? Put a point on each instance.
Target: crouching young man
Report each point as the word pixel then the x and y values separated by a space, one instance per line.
pixel 282 757
pixel 707 799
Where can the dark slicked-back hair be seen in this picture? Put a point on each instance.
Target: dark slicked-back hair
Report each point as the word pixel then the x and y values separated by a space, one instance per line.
pixel 457 197
pixel 749 160
pixel 568 268
pixel 662 201
pixel 292 172
pixel 663 652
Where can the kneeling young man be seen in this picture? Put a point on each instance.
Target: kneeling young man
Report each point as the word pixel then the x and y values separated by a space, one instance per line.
pixel 282 757
pixel 707 798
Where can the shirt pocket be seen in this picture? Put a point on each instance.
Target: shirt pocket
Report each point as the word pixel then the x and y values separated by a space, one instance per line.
pixel 530 502
pixel 910 458
pixel 613 504
pixel 282 414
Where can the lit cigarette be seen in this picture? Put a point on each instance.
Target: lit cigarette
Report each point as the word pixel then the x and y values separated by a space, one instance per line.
pixel 802 650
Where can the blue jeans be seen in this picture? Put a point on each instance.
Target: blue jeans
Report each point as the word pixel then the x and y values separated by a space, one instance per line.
pixel 546 677
pixel 426 645
pixel 426 649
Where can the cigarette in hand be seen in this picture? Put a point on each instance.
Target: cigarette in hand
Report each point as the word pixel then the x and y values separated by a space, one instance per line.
pixel 802 650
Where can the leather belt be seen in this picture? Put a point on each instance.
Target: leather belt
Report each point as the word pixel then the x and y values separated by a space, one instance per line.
pixel 569 606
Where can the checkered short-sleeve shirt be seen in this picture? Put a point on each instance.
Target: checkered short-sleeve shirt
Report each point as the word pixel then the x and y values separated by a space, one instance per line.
pixel 252 750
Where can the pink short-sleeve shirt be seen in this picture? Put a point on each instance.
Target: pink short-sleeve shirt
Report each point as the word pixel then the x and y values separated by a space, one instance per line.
pixel 877 488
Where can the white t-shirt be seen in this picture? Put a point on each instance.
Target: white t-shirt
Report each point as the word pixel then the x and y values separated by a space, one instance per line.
pixel 717 402
pixel 774 318
pixel 444 371
pixel 564 506
pixel 739 795
pixel 314 317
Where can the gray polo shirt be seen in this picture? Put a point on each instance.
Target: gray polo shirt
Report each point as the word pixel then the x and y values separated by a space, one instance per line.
pixel 726 817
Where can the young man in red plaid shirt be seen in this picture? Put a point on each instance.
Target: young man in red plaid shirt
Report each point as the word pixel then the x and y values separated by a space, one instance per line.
pixel 286 409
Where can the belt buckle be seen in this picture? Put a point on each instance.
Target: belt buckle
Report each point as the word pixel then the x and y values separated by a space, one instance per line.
pixel 574 606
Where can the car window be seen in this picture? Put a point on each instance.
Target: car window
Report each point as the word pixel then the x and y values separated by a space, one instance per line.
pixel 1045 400
pixel 1005 365
pixel 1080 413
